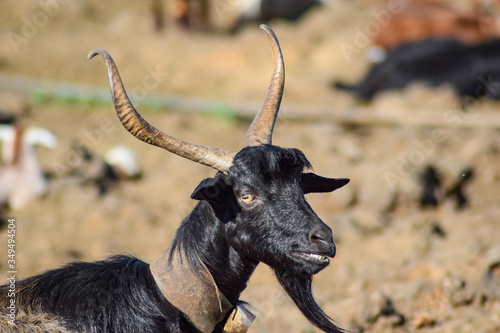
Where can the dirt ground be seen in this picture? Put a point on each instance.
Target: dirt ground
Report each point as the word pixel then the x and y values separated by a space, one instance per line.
pixel 398 268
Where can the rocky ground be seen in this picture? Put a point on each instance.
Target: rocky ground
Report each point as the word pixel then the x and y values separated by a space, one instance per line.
pixel 398 268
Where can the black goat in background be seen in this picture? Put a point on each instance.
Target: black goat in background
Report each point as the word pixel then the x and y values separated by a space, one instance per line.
pixel 253 210
pixel 266 10
pixel 472 70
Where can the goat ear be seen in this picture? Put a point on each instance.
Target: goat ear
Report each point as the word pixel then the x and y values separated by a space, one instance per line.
pixel 211 189
pixel 313 183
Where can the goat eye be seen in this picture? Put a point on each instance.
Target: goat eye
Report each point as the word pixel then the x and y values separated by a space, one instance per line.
pixel 247 198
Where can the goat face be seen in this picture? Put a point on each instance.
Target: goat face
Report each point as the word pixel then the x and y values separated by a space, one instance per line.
pixel 261 202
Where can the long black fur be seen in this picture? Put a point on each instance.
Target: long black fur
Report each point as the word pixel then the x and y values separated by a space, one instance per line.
pixel 230 239
pixel 472 70
pixel 300 291
pixel 114 295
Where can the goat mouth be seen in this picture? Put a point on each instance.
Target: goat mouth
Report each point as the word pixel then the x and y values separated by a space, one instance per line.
pixel 312 258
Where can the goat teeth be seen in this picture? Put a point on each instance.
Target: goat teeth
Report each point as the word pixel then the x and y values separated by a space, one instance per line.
pixel 317 256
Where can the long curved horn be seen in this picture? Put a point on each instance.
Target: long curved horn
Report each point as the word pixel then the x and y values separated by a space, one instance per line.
pixel 216 158
pixel 261 130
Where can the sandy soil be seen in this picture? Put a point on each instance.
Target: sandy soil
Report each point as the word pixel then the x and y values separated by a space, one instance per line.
pixel 429 264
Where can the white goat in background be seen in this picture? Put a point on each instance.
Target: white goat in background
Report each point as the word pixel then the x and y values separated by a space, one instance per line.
pixel 21 177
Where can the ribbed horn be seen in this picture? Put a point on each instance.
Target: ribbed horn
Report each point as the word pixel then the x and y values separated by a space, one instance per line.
pixel 216 158
pixel 261 130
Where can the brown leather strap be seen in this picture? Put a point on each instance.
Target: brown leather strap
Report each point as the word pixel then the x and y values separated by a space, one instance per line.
pixel 197 296
pixel 193 293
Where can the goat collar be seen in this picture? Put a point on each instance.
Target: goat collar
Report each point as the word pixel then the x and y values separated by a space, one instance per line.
pixel 196 294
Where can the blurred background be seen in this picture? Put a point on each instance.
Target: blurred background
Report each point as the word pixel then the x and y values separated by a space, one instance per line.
pixel 417 228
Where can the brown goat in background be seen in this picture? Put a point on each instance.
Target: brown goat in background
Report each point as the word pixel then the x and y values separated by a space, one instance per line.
pixel 421 19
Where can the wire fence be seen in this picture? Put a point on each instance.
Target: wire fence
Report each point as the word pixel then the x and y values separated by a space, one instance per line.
pixel 354 116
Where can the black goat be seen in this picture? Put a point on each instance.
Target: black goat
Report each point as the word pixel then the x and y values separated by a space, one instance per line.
pixel 472 70
pixel 266 10
pixel 253 210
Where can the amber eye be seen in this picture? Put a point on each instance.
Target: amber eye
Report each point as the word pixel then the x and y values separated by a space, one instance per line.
pixel 247 198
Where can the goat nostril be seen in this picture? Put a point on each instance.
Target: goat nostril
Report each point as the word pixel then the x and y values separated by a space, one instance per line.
pixel 317 237
pixel 321 236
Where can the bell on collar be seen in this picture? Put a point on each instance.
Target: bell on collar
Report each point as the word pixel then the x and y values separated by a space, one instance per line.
pixel 239 320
